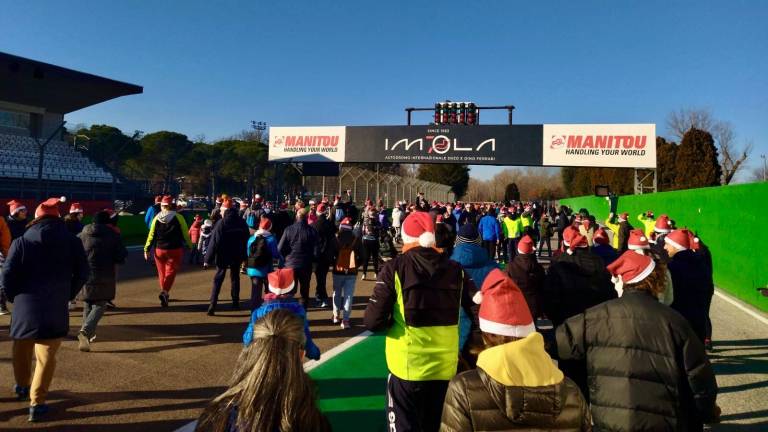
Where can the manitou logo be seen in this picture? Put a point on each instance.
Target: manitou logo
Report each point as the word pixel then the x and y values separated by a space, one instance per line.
pixel 439 144
pixel 307 141
pixel 598 141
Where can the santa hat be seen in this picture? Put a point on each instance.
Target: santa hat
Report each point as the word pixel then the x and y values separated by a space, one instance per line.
pixel 525 245
pixel 695 243
pixel 679 239
pixel 663 224
pixel 577 241
pixel 265 224
pixel 637 240
pixel 257 198
pixel 243 204
pixel 198 217
pixel 623 217
pixel 419 228
pixel 600 237
pixel 321 208
pixel 283 206
pixel 630 268
pixel 439 219
pixel 503 309
pixel 15 207
pixel 49 207
pixel 158 198
pixel 281 281
pixel 76 208
pixel 568 233
pixel 166 200
pixel 346 224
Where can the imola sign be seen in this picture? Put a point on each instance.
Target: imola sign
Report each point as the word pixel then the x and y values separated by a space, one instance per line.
pixel 600 145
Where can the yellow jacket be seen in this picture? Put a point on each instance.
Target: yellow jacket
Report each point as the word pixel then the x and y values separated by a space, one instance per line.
pixel 614 227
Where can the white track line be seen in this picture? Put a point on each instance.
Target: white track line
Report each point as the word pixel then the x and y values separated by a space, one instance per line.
pixel 741 307
pixel 333 352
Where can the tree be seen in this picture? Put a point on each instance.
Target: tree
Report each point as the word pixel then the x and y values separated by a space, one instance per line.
pixel 511 193
pixel 454 175
pixel 666 153
pixel 696 164
pixel 161 153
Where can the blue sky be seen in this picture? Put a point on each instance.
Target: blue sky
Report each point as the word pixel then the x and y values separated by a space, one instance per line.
pixel 211 67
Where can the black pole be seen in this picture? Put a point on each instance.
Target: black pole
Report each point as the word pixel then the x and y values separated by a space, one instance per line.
pixel 41 156
pixel 510 109
pixel 409 111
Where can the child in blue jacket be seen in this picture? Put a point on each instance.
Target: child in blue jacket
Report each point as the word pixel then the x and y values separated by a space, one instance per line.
pixel 282 288
pixel 258 268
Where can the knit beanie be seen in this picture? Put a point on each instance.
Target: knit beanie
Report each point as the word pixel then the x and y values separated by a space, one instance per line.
pixel 468 234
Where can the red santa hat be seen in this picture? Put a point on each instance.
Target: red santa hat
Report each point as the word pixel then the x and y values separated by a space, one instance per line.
pixel 15 207
pixel 577 241
pixel 600 237
pixel 503 309
pixel 637 240
pixel 419 228
pixel 439 219
pixel 281 281
pixel 159 198
pixel 525 245
pixel 49 207
pixel 166 200
pixel 257 198
pixel 76 208
pixel 346 224
pixel 680 239
pixel 663 224
pixel 568 233
pixel 623 217
pixel 321 208
pixel 630 268
pixel 695 243
pixel 265 224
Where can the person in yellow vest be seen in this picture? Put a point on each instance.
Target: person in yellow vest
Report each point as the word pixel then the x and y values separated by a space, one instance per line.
pixel 648 221
pixel 512 229
pixel 417 299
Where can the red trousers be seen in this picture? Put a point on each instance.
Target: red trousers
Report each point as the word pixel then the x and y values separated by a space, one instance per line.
pixel 168 262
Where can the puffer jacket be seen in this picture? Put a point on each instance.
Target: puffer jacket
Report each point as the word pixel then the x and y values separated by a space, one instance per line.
pixel 297 245
pixel 104 249
pixel 229 240
pixel 516 386
pixel 476 262
pixel 528 274
pixel 647 369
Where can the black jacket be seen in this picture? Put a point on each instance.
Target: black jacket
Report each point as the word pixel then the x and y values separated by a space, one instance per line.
pixel 693 287
pixel 326 237
pixel 104 250
pixel 528 274
pixel 624 229
pixel 346 239
pixel 17 227
pixel 647 369
pixel 229 240
pixel 298 245
pixel 45 269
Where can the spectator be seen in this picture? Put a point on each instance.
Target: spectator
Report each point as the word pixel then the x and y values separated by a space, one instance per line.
pixel 227 251
pixel 152 211
pixel 262 252
pixel 298 247
pixel 417 299
pixel 516 385
pixel 46 267
pixel 168 234
pixel 326 236
pixel 528 274
pixel 74 220
pixel 194 237
pixel 490 231
pixel 370 234
pixel 397 219
pixel 347 254
pixel 205 237
pixel 269 390
pixel 17 219
pixel 647 369
pixel 545 234
pixel 104 249
pixel 602 248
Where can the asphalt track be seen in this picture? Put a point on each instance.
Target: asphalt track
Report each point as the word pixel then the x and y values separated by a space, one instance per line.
pixel 153 369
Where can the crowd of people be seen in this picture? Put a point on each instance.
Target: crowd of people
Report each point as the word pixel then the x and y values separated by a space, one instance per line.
pixel 479 334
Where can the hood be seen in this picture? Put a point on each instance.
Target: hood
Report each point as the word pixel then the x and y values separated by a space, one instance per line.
pixel 47 229
pixel 97 230
pixel 423 264
pixel 521 378
pixel 166 216
pixel 526 262
pixel 470 255
pixel 263 232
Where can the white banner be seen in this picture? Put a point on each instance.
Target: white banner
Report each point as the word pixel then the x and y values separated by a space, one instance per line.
pixel 307 144
pixel 600 145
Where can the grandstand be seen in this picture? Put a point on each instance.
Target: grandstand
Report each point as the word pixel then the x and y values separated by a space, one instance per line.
pixel 34 98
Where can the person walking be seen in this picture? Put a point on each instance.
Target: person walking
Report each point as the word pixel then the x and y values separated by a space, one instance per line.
pixel 168 235
pixel 602 247
pixel 326 236
pixel 227 251
pixel 104 249
pixel 347 252
pixel 545 234
pixel 512 230
pixel 647 368
pixel 298 247
pixel 516 385
pixel 74 220
pixel 490 231
pixel 5 245
pixel 45 269
pixel 152 211
pixel 194 237
pixel 17 218
pixel 528 275
pixel 370 233
pixel 417 298
pixel 262 253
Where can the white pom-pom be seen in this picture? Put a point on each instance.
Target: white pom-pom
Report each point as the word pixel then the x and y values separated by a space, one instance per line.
pixel 63 199
pixel 427 239
pixel 478 297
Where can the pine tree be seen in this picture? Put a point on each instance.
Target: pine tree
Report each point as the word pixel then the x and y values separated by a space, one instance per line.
pixel 696 164
pixel 456 176
pixel 511 193
pixel 666 152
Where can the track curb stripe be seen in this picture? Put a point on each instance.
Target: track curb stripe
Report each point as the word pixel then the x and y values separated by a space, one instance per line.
pixel 740 306
pixel 333 352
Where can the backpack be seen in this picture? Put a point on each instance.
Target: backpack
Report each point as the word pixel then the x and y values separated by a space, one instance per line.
pixel 259 254
pixel 345 260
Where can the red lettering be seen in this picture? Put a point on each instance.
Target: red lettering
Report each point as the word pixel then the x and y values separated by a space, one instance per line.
pixel 335 141
pixel 588 142
pixel 290 141
pixel 604 141
pixel 628 142
pixel 640 141
pixel 574 141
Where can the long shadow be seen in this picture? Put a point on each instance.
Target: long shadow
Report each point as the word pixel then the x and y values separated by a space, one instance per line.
pixel 155 425
pixel 727 361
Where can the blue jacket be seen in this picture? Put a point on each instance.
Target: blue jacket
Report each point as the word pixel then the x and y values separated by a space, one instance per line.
pixel 273 303
pixel 149 216
pixel 489 228
pixel 45 268
pixel 297 245
pixel 475 261
pixel 606 252
pixel 457 215
pixel 262 272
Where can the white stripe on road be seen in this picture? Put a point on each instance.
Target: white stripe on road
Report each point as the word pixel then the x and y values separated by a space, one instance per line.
pixel 333 352
pixel 741 306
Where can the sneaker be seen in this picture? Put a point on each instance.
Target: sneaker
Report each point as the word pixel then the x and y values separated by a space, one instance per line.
pixel 72 305
pixel 37 412
pixel 163 299
pixel 84 343
pixel 111 305
pixel 362 277
pixel 708 344
pixel 335 319
pixel 22 393
pixel 4 311
pixel 345 324
pixel 211 310
pixel 321 303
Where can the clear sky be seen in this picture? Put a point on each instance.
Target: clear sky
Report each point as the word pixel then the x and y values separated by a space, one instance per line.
pixel 209 67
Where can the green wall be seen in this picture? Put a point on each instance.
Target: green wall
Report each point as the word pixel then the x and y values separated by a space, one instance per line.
pixel 133 230
pixel 729 219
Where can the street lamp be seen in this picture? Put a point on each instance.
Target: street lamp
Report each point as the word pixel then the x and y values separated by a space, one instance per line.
pixel 259 126
pixel 763 157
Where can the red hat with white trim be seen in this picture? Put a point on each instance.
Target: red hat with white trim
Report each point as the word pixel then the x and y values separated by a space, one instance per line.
pixel 623 217
pixel 631 268
pixel 265 224
pixel 679 239
pixel 166 200
pixel 257 198
pixel 637 240
pixel 577 241
pixel 525 245
pixel 346 224
pixel 695 243
pixel 503 309
pixel 281 281
pixel 15 207
pixel 663 224
pixel 76 208
pixel 419 228
pixel 49 207
pixel 600 237
pixel 159 198
pixel 321 208
pixel 568 233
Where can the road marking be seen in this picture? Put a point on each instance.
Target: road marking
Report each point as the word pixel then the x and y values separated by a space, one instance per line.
pixel 743 308
pixel 333 352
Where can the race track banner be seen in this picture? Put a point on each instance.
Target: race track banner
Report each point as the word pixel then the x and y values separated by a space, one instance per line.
pixel 600 145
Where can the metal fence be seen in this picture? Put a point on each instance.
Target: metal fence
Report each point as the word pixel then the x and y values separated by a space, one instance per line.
pixel 366 184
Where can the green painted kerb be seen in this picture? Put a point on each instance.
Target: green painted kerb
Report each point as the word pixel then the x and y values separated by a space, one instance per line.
pixel 729 219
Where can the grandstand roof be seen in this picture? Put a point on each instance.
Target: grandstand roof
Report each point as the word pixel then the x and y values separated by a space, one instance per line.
pixel 55 88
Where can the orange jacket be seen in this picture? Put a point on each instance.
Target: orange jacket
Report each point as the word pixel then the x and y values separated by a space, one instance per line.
pixel 5 237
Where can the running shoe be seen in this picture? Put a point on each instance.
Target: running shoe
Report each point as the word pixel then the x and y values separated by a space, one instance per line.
pixel 84 343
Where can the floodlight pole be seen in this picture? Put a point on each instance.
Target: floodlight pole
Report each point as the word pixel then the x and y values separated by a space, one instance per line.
pixel 509 108
pixel 41 157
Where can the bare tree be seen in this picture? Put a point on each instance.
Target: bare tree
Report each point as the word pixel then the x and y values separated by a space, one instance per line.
pixel 732 156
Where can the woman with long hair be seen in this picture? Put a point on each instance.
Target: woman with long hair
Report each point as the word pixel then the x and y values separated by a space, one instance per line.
pixel 269 390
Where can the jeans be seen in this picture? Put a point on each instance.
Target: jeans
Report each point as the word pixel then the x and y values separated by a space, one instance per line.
pixel 343 292
pixel 92 313
pixel 218 280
